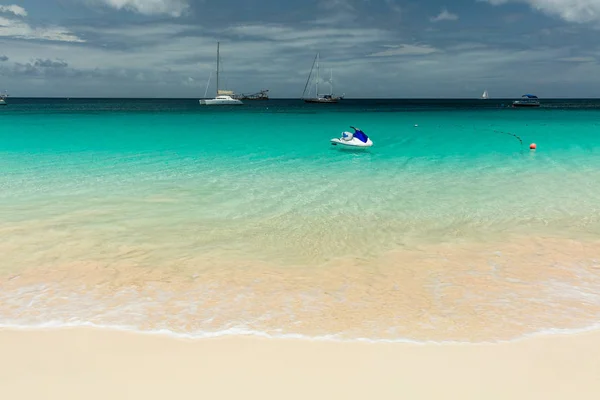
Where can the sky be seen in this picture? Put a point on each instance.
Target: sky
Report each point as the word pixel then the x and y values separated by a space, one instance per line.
pixel 374 48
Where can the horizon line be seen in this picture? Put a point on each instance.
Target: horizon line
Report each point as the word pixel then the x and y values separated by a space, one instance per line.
pixel 298 98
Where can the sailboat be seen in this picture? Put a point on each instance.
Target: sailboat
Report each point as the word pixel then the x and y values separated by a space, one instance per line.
pixel 223 97
pixel 320 98
pixel 3 97
pixel 485 95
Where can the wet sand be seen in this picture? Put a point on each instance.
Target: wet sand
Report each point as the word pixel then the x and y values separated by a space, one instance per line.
pixel 465 292
pixel 94 364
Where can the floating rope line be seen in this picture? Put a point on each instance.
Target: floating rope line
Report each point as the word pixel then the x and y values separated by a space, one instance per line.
pixel 511 134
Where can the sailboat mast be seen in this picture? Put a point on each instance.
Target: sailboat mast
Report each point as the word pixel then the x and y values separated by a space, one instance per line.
pixel 218 68
pixel 317 86
pixel 207 84
pixel 309 75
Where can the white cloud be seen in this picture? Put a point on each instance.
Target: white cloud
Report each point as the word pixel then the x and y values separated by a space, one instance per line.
pixel 579 11
pixel 314 38
pixel 19 29
pixel 578 59
pixel 393 6
pixel 444 15
pixel 337 12
pixel 336 5
pixel 174 8
pixel 405 50
pixel 14 9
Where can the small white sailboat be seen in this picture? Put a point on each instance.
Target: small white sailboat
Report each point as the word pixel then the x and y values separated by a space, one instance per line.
pixel 3 97
pixel 357 140
pixel 223 97
pixel 485 95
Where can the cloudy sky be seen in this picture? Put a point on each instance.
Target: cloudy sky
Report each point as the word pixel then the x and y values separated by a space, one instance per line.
pixel 376 48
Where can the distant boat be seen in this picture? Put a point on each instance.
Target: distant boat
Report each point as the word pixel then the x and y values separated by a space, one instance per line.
pixel 223 97
pixel 527 100
pixel 262 95
pixel 3 97
pixel 320 98
pixel 485 95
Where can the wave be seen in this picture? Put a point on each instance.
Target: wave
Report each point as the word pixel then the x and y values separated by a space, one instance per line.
pixel 238 332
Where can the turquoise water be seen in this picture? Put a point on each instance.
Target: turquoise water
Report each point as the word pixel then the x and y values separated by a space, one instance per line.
pixel 186 192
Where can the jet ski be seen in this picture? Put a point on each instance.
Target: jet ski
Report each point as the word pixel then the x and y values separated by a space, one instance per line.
pixel 358 139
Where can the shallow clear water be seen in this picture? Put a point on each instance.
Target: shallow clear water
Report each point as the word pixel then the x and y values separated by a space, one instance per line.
pixel 161 214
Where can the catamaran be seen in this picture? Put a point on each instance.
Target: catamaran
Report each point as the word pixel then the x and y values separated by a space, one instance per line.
pixel 320 98
pixel 3 97
pixel 485 95
pixel 223 97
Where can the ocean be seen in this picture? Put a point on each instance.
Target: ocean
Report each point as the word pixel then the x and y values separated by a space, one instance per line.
pixel 159 215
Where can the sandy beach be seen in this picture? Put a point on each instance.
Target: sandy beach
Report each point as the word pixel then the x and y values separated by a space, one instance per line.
pixel 153 216
pixel 96 364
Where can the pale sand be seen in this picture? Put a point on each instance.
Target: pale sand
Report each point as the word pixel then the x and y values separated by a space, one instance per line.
pixel 87 364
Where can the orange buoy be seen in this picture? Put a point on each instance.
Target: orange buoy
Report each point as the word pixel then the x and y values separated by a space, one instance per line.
pixel 532 146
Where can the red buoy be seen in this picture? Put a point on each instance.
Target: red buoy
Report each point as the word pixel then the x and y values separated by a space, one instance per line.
pixel 532 146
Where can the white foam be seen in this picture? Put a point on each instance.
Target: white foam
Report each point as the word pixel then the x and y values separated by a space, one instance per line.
pixel 241 332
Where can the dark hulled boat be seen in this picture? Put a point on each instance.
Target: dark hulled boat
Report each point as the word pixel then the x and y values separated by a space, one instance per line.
pixel 320 98
pixel 262 95
pixel 527 100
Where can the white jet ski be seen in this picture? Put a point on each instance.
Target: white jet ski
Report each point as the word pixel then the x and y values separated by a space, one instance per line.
pixel 356 140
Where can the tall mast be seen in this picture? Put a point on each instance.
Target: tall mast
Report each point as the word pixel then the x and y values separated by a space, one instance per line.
pixel 317 88
pixel 217 68
pixel 310 75
pixel 207 84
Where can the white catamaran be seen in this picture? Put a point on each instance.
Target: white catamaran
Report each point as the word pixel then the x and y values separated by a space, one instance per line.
pixel 3 97
pixel 485 95
pixel 320 98
pixel 223 97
